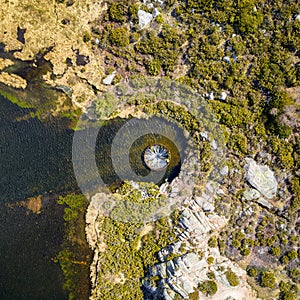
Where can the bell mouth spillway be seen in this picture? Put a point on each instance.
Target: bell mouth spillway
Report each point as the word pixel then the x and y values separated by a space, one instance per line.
pixel 157 157
pixel 172 140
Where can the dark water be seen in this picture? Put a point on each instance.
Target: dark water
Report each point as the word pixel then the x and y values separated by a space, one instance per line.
pixel 29 242
pixel 36 159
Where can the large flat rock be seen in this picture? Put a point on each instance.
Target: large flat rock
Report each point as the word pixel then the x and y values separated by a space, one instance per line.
pixel 261 178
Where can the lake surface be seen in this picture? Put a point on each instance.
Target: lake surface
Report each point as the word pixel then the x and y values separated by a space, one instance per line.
pixel 36 159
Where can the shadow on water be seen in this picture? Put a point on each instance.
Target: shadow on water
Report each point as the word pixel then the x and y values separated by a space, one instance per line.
pixel 135 153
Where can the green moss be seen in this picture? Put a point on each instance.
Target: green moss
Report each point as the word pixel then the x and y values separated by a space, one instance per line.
pixel 74 258
pixel 284 151
pixel 238 142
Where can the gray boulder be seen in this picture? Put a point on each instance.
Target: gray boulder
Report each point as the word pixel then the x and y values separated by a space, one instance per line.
pixel 261 178
pixel 109 79
pixel 144 18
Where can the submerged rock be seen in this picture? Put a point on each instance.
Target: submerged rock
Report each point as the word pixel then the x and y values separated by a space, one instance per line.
pixel 261 178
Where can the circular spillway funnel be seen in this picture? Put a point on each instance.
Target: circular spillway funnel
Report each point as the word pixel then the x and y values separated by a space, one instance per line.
pixel 156 157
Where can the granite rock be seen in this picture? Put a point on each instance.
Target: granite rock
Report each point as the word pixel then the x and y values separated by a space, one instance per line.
pixel 144 18
pixel 261 178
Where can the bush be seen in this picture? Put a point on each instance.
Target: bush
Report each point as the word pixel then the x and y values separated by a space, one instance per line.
pixel 279 100
pixel 212 242
pixel 275 251
pixel 118 12
pixel 119 37
pixel 208 287
pixel 232 278
pixel 153 67
pixel 292 254
pixel 284 259
pixel 194 295
pixel 247 20
pixel 295 274
pixel 287 291
pixel 210 260
pixel 238 142
pixel 159 19
pixel 252 271
pixel 245 251
pixel 267 279
pixel 211 275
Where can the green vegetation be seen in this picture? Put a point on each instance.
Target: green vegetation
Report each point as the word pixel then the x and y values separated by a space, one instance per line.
pixel 135 251
pixel 194 295
pixel 212 242
pixel 267 279
pixel 232 278
pixel 133 206
pixel 12 98
pixel 288 291
pixel 294 273
pixel 118 12
pixel 210 260
pixel 275 251
pixel 153 67
pixel 211 275
pixel 75 256
pixel 105 106
pixel 208 287
pixel 119 37
pixel 250 50
pixel 252 271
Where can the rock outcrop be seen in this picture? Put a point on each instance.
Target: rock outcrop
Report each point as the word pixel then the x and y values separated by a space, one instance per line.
pixel 183 274
pixel 261 178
